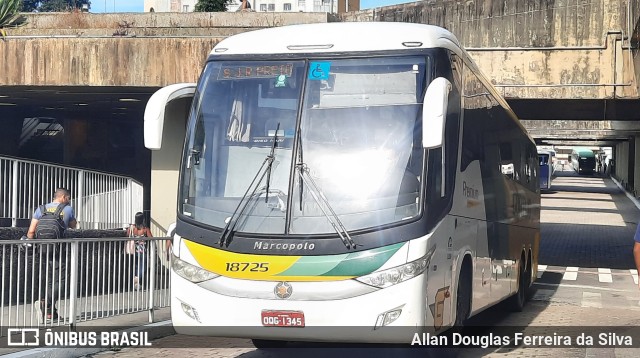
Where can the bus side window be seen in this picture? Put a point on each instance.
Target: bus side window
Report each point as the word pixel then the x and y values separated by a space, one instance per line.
pixel 472 146
pixel 506 160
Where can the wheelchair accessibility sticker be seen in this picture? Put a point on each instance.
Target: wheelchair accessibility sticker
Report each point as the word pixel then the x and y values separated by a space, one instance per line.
pixel 319 70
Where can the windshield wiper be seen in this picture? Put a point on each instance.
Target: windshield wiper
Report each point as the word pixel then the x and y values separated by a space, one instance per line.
pixel 322 201
pixel 273 149
pixel 301 161
pixel 227 232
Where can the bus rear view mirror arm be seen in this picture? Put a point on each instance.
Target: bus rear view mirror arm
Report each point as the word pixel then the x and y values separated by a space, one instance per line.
pixel 155 112
pixel 434 112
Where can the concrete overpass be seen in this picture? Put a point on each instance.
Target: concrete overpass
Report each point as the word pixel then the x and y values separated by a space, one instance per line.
pixel 569 70
pixel 73 87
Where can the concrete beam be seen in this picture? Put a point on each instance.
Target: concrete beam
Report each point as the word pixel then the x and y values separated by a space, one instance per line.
pixel 565 125
pixel 141 50
pixel 577 143
pixel 158 23
pixel 532 49
pixel 563 131
pixel 541 50
pixel 138 62
pixel 582 136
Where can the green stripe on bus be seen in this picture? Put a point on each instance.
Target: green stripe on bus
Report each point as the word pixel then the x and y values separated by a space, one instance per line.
pixel 313 265
pixel 354 264
pixel 364 262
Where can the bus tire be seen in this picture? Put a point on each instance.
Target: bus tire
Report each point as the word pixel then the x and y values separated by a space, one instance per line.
pixel 268 344
pixel 517 301
pixel 529 276
pixel 463 296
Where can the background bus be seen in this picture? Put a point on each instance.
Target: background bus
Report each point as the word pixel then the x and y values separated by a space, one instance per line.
pixel 347 183
pixel 583 160
pixel 546 169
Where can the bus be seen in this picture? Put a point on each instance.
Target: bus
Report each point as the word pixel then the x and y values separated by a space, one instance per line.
pixel 376 182
pixel 546 169
pixel 583 160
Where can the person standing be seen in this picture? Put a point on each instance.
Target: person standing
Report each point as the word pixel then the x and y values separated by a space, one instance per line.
pixel 50 221
pixel 139 230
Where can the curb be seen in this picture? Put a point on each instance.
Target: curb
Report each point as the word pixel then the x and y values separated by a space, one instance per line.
pixel 634 200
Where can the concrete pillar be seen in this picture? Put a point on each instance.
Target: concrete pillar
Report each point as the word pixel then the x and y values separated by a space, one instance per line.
pixel 165 164
pixel 10 127
pixel 614 154
pixel 76 140
pixel 633 168
pixel 620 167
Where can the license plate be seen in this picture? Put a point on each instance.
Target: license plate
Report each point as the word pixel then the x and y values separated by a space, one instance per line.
pixel 282 318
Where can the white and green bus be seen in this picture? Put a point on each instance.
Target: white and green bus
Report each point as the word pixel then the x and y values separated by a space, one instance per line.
pixel 361 175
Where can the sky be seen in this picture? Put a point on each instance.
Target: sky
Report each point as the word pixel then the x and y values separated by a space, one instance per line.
pixel 368 4
pixel 98 6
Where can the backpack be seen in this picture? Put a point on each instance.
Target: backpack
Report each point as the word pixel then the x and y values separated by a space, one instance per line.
pixel 51 225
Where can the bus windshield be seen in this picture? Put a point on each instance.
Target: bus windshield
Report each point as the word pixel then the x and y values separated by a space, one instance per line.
pixel 351 122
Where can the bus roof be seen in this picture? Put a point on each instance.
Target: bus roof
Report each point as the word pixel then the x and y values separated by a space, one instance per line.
pixel 338 37
pixel 583 151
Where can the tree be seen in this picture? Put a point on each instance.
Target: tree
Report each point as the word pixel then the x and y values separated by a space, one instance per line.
pixel 9 15
pixel 61 5
pixel 30 5
pixel 52 5
pixel 211 6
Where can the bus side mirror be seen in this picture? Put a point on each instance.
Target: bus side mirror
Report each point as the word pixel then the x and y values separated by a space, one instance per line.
pixel 155 112
pixel 434 112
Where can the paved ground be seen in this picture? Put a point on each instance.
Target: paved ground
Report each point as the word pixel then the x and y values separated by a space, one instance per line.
pixel 587 222
pixel 546 316
pixel 586 282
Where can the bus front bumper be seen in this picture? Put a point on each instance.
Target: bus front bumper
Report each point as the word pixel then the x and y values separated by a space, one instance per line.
pixel 198 311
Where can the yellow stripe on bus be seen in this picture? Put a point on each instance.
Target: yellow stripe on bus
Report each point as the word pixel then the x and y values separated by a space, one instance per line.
pixel 249 266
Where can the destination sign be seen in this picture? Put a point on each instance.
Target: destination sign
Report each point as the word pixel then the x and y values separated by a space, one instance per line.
pixel 257 71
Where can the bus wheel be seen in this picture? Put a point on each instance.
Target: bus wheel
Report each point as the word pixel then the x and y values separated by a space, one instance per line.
pixel 517 301
pixel 268 344
pixel 529 291
pixel 463 298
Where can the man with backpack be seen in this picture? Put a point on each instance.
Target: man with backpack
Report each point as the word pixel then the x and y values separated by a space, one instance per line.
pixel 50 221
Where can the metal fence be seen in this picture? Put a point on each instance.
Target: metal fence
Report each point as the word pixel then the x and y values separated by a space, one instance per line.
pixel 66 281
pixel 100 200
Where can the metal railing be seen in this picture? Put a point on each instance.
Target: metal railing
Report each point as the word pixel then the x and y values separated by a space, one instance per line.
pixel 100 200
pixel 66 281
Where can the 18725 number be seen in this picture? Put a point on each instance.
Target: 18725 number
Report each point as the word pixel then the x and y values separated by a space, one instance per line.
pixel 247 266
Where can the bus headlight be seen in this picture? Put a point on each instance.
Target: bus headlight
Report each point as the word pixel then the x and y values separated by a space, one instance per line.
pixel 395 275
pixel 190 272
